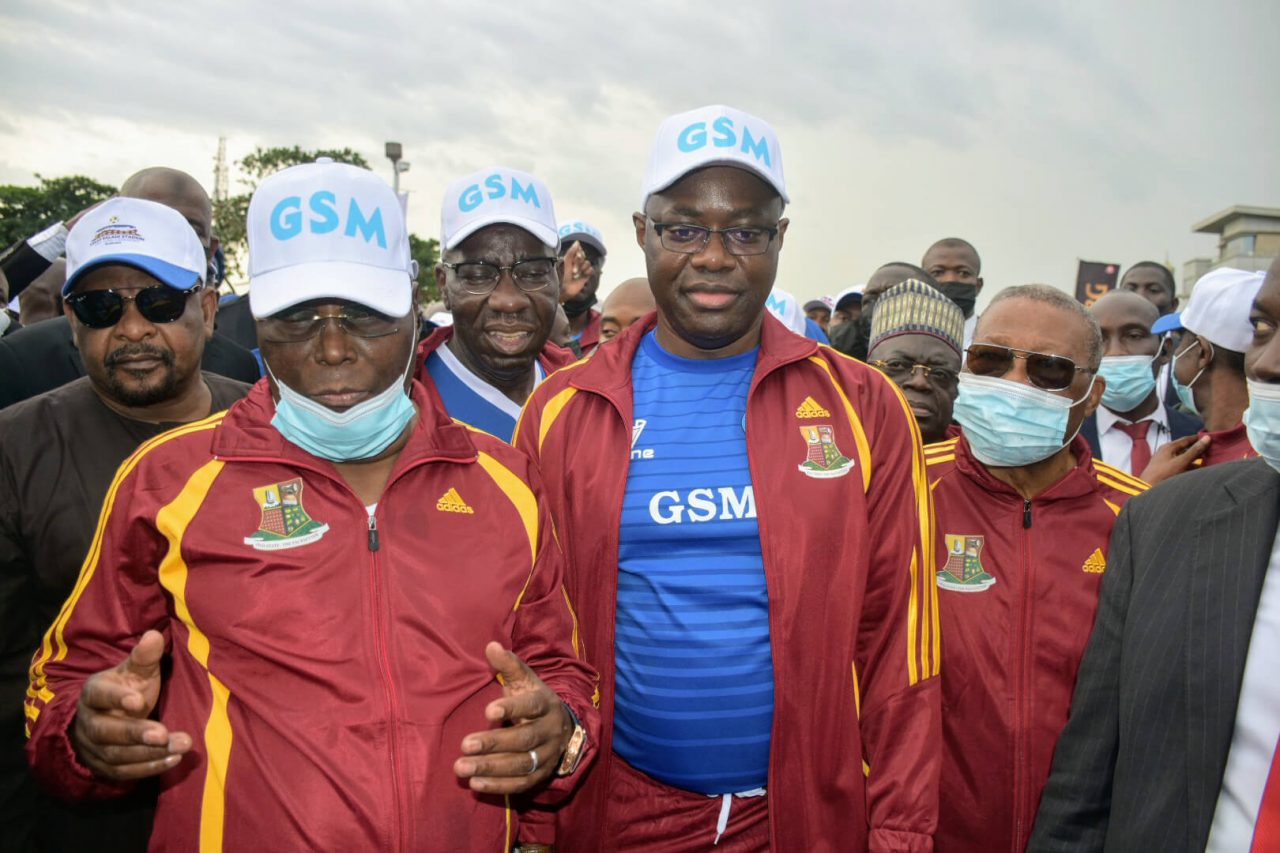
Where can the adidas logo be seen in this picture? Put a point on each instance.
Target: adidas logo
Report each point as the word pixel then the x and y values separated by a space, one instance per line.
pixel 1096 564
pixel 810 409
pixel 451 501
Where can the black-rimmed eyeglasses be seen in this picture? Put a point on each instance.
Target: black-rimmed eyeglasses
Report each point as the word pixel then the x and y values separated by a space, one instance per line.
pixel 692 239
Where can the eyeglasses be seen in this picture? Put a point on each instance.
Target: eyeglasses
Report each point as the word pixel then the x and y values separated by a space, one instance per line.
pixel 303 325
pixel 692 239
pixel 1050 372
pixel 481 277
pixel 901 370
pixel 101 309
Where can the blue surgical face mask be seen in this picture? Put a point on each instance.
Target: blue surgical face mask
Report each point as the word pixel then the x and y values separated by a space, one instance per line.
pixel 362 431
pixel 1009 424
pixel 1185 397
pixel 1262 420
pixel 1129 381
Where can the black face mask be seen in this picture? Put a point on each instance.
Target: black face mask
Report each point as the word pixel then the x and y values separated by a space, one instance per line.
pixel 578 306
pixel 963 295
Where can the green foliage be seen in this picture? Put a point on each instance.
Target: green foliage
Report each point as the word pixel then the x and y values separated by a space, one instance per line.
pixel 24 211
pixel 229 215
pixel 427 254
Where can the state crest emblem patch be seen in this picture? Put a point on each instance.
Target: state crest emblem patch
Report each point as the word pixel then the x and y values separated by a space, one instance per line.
pixel 824 459
pixel 284 524
pixel 963 571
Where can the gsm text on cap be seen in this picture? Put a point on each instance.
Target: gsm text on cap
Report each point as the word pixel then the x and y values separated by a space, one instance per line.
pixel 694 137
pixel 286 218
pixel 472 197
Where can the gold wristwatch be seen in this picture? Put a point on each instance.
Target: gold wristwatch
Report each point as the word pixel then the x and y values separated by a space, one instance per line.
pixel 576 747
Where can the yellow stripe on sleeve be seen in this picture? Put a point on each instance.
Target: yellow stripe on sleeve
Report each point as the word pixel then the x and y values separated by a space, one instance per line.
pixel 938 460
pixel 1116 474
pixel 1132 491
pixel 172 521
pixel 521 497
pixel 53 646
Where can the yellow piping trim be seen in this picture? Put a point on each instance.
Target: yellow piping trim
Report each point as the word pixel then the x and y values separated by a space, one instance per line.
pixel 552 411
pixel 521 497
pixel 1113 507
pixel 53 637
pixel 859 435
pixel 938 460
pixel 577 652
pixel 1119 486
pixel 172 520
pixel 1116 474
pixel 506 810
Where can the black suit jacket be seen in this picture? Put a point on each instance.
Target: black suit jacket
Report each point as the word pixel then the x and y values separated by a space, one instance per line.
pixel 1139 765
pixel 43 356
pixel 1180 426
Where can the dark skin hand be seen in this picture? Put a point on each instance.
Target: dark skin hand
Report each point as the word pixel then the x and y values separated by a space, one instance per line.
pixel 112 734
pixel 497 761
pixel 1175 458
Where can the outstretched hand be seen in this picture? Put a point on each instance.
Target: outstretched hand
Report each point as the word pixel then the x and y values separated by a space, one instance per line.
pixel 1174 458
pixel 528 747
pixel 575 272
pixel 111 733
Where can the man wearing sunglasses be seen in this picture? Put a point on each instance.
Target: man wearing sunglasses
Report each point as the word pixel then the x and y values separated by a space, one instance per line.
pixel 500 277
pixel 136 301
pixel 294 612
pixel 767 683
pixel 1024 519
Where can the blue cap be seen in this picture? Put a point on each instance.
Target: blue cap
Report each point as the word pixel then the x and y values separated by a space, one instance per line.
pixel 1167 323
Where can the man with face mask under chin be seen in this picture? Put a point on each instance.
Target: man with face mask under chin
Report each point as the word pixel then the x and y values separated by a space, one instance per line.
pixel 1024 518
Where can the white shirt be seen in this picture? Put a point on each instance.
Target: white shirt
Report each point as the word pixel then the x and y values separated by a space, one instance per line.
pixel 1253 743
pixel 1117 446
pixel 970 324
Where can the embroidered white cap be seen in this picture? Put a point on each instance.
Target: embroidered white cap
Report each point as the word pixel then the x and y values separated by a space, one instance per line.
pixel 583 232
pixel 1218 308
pixel 785 307
pixel 142 234
pixel 328 230
pixel 713 136
pixel 497 195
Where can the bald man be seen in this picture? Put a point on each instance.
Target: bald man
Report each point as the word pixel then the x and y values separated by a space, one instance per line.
pixel 628 302
pixel 43 357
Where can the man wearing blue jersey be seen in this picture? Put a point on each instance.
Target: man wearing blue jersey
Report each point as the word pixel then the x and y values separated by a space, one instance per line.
pixel 500 276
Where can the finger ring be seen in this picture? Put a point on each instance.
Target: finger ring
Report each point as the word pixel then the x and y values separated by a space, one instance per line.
pixel 533 756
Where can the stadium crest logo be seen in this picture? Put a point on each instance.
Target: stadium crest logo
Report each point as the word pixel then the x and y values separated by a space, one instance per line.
pixel 963 571
pixel 284 524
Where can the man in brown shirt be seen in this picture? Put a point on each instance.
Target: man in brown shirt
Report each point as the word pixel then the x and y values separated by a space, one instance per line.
pixel 136 299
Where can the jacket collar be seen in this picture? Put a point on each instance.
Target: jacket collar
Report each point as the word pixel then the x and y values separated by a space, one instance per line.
pixel 1075 483
pixel 246 433
pixel 608 371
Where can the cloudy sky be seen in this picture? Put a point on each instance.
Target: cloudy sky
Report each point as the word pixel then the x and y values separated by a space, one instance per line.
pixel 1042 132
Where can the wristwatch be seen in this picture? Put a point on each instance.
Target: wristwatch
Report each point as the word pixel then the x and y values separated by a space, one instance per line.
pixel 576 747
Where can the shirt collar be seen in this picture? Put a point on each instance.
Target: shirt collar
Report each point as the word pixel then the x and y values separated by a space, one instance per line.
pixel 1107 419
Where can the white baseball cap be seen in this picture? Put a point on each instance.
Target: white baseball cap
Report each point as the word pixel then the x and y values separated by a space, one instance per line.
pixel 497 195
pixel 142 234
pixel 785 307
pixel 1218 309
pixel 848 293
pixel 713 136
pixel 328 230
pixel 583 232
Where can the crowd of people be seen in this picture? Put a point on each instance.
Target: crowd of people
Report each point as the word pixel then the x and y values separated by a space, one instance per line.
pixel 304 571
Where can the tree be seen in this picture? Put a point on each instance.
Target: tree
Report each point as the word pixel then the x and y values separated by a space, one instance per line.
pixel 24 211
pixel 229 215
pixel 427 254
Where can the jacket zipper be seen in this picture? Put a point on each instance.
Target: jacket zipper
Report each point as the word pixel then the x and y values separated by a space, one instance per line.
pixel 388 691
pixel 1022 682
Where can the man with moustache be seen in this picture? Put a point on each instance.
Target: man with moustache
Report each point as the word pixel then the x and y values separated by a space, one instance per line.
pixel 1024 519
pixel 136 301
pixel 764 684
pixel 915 341
pixel 499 275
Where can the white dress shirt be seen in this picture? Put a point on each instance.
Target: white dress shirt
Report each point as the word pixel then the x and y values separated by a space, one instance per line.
pixel 1117 446
pixel 1253 743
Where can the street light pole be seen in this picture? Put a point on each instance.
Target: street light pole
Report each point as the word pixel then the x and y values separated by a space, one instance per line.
pixel 394 153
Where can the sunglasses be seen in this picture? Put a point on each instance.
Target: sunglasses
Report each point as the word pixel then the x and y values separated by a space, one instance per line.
pixel 101 309
pixel 1050 372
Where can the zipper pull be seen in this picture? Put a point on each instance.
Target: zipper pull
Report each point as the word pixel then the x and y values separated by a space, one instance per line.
pixel 373 533
pixel 1026 515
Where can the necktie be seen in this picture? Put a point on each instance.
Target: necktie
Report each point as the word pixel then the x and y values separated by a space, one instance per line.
pixel 1140 455
pixel 1266 829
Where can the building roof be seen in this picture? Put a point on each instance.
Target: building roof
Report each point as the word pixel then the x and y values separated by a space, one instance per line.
pixel 1217 223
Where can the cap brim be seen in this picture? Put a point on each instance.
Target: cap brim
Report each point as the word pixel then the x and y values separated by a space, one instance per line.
pixel 384 290
pixel 174 276
pixel 589 239
pixel 737 164
pixel 1167 323
pixel 549 236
